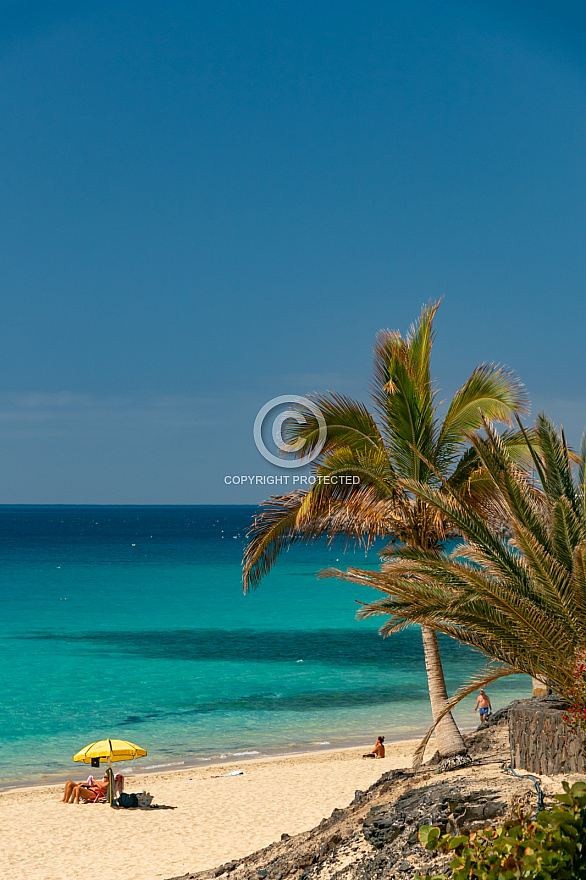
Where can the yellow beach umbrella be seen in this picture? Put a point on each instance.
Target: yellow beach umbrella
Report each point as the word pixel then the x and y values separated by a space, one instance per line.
pixel 109 750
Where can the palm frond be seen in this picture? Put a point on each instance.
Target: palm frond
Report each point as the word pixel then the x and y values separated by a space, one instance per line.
pixel 403 392
pixel 408 424
pixel 443 594
pixel 582 461
pixel 272 531
pixel 555 455
pixel 420 338
pixel 330 508
pixel 491 391
pixel 347 421
pixel 567 532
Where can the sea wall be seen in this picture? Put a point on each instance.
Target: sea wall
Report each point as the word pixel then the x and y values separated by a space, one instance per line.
pixel 541 742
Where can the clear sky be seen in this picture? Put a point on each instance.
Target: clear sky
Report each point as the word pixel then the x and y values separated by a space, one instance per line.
pixel 208 204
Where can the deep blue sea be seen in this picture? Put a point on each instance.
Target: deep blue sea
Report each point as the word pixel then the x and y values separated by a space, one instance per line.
pixel 130 622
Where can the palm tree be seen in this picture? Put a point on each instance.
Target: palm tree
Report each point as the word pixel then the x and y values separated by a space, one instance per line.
pixel 412 443
pixel 520 600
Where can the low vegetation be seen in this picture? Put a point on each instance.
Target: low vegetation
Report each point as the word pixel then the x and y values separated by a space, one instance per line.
pixel 551 846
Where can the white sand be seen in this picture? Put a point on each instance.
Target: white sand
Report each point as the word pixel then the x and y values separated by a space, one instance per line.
pixel 214 820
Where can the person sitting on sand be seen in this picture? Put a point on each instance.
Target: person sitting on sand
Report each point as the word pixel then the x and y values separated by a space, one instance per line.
pixel 93 792
pixel 90 790
pixel 379 749
pixel 483 703
pixel 99 787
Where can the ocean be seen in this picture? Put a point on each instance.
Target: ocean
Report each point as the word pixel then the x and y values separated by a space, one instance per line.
pixel 130 623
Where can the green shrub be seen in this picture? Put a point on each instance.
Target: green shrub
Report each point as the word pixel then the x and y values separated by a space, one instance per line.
pixel 550 847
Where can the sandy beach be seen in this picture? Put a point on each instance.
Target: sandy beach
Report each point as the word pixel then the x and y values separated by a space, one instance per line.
pixel 201 822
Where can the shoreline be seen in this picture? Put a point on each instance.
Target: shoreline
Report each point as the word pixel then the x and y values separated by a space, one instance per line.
pixel 190 766
pixel 246 756
pixel 203 819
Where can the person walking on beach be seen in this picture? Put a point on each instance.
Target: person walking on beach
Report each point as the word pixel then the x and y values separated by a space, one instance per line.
pixel 483 703
pixel 379 749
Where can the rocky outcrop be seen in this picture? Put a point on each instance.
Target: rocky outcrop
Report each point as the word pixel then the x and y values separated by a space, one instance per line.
pixel 448 805
pixel 375 837
pixel 540 741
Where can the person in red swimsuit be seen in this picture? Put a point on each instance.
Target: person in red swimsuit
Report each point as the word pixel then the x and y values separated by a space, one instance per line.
pixel 91 790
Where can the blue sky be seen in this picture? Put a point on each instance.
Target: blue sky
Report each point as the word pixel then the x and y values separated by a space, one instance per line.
pixel 205 205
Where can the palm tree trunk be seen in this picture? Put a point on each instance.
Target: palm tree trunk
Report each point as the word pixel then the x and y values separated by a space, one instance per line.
pixel 448 737
pixel 539 688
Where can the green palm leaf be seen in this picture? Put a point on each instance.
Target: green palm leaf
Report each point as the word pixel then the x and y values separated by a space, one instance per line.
pixel 491 391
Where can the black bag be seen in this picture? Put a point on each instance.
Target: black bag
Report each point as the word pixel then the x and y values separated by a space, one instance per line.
pixel 127 800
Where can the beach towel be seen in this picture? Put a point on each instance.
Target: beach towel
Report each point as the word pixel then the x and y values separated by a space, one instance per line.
pixel 225 775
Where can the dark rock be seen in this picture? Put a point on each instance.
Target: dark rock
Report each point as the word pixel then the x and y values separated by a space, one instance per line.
pixel 472 813
pixel 454 762
pixel 330 843
pixel 496 717
pixel 541 742
pixel 224 869
pixel 443 804
pixel 304 859
pixel 434 760
pixel 380 830
pixel 286 836
pixel 494 809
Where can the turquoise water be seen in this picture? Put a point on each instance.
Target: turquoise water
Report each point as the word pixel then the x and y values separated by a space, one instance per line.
pixel 130 622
